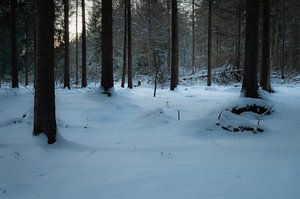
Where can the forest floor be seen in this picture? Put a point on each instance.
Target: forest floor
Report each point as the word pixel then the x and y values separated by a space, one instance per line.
pixel 134 146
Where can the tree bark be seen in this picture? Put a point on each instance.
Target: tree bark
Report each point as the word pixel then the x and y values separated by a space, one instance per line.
pixel 130 85
pixel 283 42
pixel 125 46
pixel 44 98
pixel 193 36
pixel 250 72
pixel 66 46
pixel 107 81
pixel 238 41
pixel 174 61
pixel 209 44
pixel 26 43
pixel 265 69
pixel 83 37
pixel 14 50
pixel 76 46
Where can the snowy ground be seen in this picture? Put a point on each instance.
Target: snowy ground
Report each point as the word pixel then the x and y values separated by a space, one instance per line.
pixel 132 146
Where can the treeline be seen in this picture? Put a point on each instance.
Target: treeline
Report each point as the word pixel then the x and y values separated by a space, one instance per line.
pixel 150 31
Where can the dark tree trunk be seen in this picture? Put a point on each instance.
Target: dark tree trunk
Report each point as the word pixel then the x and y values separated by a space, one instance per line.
pixel 44 98
pixel 83 37
pixel 14 53
pixel 193 36
pixel 76 46
pixel 66 49
pixel 265 69
pixel 125 45
pixel 209 45
pixel 174 61
pixel 34 46
pixel 26 44
pixel 169 36
pixel 238 41
pixel 107 80
pixel 250 72
pixel 283 42
pixel 129 45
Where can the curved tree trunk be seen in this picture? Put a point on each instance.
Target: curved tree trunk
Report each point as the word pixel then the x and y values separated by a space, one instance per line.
pixel 44 98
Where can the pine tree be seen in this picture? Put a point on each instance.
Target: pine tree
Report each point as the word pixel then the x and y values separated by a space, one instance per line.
pixel 83 37
pixel 107 81
pixel 265 69
pixel 130 85
pixel 250 86
pixel 174 59
pixel 209 38
pixel 66 46
pixel 14 51
pixel 44 98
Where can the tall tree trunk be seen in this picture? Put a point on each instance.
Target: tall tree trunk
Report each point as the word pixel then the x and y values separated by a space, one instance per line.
pixel 250 72
pixel 130 85
pixel 283 42
pixel 265 69
pixel 26 43
pixel 209 44
pixel 14 51
pixel 34 46
pixel 83 37
pixel 66 46
pixel 174 61
pixel 193 36
pixel 238 41
pixel 107 79
pixel 169 36
pixel 125 45
pixel 44 98
pixel 274 51
pixel 76 46
pixel 149 38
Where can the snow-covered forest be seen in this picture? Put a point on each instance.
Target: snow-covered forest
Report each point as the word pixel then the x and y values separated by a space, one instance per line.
pixel 149 99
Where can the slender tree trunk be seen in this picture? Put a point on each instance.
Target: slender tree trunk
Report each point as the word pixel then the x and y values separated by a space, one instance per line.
pixel 251 50
pixel 265 69
pixel 238 41
pixel 107 80
pixel 66 46
pixel 283 42
pixel 125 46
pixel 44 98
pixel 209 44
pixel 14 51
pixel 34 46
pixel 130 85
pixel 26 44
pixel 76 50
pixel 156 73
pixel 83 37
pixel 149 37
pixel 193 36
pixel 169 36
pixel 174 61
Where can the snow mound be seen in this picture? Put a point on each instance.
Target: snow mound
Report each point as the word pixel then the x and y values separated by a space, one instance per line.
pixel 155 116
